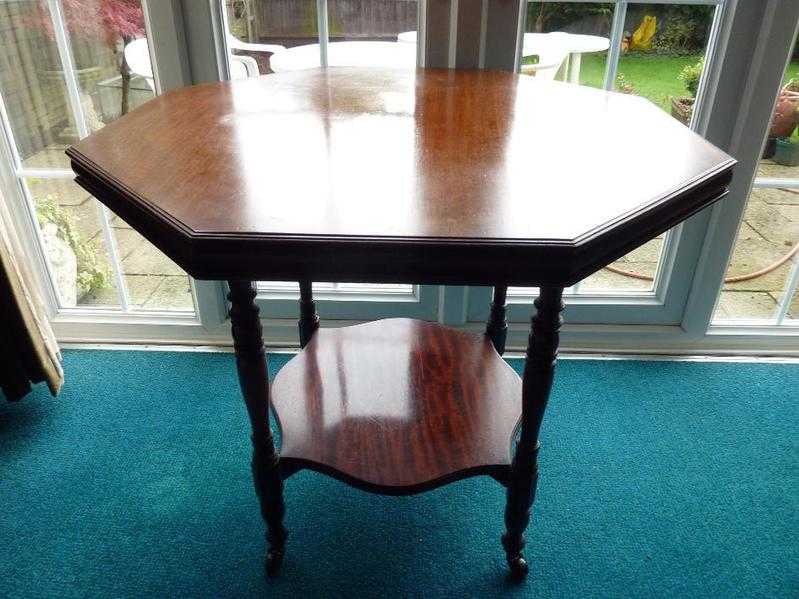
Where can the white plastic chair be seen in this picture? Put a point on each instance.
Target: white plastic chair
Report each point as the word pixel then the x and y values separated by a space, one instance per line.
pixel 137 55
pixel 551 58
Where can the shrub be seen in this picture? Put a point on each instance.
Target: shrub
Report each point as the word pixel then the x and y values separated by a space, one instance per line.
pixel 93 275
pixel 690 76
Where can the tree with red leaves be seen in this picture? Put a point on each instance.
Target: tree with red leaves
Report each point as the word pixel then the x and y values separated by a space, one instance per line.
pixel 110 21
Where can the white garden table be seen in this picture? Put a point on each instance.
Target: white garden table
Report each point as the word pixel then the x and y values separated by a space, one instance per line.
pixel 551 48
pixel 346 54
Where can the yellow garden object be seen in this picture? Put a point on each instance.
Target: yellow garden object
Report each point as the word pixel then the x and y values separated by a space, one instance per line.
pixel 642 38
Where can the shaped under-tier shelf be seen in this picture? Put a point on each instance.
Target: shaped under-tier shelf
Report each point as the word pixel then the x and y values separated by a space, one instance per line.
pixel 397 406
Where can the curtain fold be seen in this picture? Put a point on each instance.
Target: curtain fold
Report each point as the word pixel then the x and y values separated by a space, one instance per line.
pixel 28 349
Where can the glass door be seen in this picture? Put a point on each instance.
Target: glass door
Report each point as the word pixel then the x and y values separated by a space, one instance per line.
pixel 762 279
pixel 69 68
pixel 268 36
pixel 661 51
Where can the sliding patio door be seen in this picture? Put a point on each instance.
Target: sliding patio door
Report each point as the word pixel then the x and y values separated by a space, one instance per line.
pixel 678 54
pixel 281 35
pixel 70 67
pixel 666 52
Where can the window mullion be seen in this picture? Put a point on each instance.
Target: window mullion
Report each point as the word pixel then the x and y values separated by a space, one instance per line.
pixel 73 93
pixel 64 54
pixel 322 25
pixel 614 52
pixel 787 296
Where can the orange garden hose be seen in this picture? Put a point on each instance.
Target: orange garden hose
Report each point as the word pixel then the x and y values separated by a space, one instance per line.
pixel 736 279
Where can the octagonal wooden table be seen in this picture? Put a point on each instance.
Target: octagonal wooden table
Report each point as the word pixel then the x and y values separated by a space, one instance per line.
pixel 432 176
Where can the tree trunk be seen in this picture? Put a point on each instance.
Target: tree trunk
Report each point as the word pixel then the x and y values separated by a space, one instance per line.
pixel 124 71
pixel 539 22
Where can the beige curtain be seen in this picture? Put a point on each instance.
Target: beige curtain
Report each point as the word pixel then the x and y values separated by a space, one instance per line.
pixel 28 349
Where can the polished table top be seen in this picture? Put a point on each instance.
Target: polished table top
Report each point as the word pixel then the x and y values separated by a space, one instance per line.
pixel 320 161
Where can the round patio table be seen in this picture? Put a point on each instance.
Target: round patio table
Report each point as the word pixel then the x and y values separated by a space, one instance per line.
pixel 346 54
pixel 571 45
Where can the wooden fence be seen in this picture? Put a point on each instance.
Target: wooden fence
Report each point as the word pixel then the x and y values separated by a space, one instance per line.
pixel 288 20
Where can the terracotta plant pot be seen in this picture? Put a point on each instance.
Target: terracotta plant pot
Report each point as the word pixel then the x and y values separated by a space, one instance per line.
pixel 682 109
pixel 787 153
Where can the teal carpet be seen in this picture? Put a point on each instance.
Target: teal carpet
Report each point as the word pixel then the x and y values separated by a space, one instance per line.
pixel 658 479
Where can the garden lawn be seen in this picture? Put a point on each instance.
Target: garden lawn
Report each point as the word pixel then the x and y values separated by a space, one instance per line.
pixel 654 76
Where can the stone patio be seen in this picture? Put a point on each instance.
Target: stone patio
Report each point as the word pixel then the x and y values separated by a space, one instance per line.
pixel 769 230
pixel 153 281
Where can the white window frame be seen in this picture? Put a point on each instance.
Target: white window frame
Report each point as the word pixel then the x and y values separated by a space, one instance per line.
pixel 187 44
pixel 664 303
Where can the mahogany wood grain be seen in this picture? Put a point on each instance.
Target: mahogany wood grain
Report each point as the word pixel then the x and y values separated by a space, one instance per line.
pixel 539 373
pixel 397 406
pixel 451 176
pixel 254 381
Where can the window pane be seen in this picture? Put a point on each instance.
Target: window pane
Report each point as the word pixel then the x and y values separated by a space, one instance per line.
pixel 554 56
pixel 375 20
pixel 273 26
pixel 32 85
pixel 111 57
pixel 286 22
pixel 662 57
pixel 766 252
pixel 633 272
pixel 372 33
pixel 793 308
pixel 153 281
pixel 770 229
pixel 73 241
pixel 663 51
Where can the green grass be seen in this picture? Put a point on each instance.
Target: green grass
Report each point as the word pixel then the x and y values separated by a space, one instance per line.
pixel 792 72
pixel 653 76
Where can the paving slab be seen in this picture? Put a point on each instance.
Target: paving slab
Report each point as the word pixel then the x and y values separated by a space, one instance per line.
pixel 103 298
pixel 148 260
pixel 751 255
pixel 745 305
pixel 770 222
pixel 772 170
pixel 141 288
pixel 606 280
pixel 172 293
pixel 128 242
pixel 649 252
pixel 51 157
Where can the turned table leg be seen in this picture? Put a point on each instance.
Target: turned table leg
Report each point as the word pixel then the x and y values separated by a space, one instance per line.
pixel 254 382
pixel 497 327
pixel 539 370
pixel 309 319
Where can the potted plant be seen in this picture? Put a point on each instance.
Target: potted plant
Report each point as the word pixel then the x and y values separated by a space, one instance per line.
pixel 785 118
pixel 682 108
pixel 787 149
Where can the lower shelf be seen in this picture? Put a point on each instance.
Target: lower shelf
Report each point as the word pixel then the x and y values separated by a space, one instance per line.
pixel 397 406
